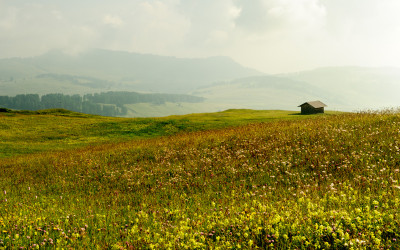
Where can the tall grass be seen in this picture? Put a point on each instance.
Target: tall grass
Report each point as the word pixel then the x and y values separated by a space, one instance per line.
pixel 26 132
pixel 326 183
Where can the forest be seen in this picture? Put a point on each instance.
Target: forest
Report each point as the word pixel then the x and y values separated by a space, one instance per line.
pixel 106 103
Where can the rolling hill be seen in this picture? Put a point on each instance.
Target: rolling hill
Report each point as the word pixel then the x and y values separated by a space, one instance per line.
pixel 103 70
pixel 262 92
pixel 341 88
pixel 222 82
pixel 354 88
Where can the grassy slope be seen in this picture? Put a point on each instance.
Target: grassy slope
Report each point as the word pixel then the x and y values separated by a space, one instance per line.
pixel 166 109
pixel 330 182
pixel 28 132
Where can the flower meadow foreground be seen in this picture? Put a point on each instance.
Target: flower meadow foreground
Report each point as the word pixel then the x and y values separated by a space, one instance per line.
pixel 325 183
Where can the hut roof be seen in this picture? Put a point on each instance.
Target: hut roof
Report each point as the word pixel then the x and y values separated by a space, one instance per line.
pixel 315 104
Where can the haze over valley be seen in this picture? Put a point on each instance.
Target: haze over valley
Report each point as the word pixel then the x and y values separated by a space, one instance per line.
pixel 267 54
pixel 221 82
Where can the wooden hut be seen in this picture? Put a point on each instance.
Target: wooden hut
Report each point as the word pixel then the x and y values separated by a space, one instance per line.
pixel 314 107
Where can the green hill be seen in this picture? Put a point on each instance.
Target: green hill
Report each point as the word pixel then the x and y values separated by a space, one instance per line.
pixel 25 132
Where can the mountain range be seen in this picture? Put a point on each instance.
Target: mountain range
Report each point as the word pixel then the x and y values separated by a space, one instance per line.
pixel 99 70
pixel 223 82
pixel 341 88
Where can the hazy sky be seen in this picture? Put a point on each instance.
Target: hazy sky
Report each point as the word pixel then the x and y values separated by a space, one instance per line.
pixel 270 35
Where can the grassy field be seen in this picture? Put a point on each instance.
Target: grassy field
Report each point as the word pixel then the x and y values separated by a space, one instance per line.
pixel 294 182
pixel 50 130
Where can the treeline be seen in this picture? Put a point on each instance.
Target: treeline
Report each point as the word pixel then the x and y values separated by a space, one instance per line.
pixel 107 104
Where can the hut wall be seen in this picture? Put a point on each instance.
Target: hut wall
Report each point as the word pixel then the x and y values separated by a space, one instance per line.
pixel 308 109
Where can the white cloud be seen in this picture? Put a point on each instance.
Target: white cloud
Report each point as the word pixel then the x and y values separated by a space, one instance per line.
pixel 114 21
pixel 269 15
pixel 211 24
pixel 154 27
pixel 8 18
pixel 303 14
pixel 272 35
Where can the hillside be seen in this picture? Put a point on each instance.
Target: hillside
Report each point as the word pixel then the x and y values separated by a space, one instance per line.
pixel 263 92
pixel 111 103
pixel 223 83
pixel 322 182
pixel 341 88
pixel 103 70
pixel 26 132
pixel 355 88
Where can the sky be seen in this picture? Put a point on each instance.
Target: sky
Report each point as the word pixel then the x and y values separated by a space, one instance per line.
pixel 273 36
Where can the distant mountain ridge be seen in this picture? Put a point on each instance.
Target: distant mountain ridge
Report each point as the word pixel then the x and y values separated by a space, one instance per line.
pixel 221 81
pixel 123 71
pixel 355 88
pixel 262 92
pixel 341 88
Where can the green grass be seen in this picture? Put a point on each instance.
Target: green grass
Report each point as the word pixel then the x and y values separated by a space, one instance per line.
pixel 301 182
pixel 24 132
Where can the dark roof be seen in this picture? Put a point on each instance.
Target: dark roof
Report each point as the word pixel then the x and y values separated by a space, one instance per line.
pixel 315 104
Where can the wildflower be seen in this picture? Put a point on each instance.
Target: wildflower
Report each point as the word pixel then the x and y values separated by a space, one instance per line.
pixel 250 242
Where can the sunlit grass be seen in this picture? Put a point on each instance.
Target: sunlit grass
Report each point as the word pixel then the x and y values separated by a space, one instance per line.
pixel 323 182
pixel 56 129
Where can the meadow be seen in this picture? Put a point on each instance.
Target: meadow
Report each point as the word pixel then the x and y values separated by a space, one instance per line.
pixel 23 132
pixel 218 182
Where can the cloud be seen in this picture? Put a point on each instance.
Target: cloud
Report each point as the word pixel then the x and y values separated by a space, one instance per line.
pixel 153 27
pixel 28 29
pixel 363 32
pixel 271 15
pixel 211 23
pixel 141 26
pixel 271 35
pixel 112 20
pixel 9 18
